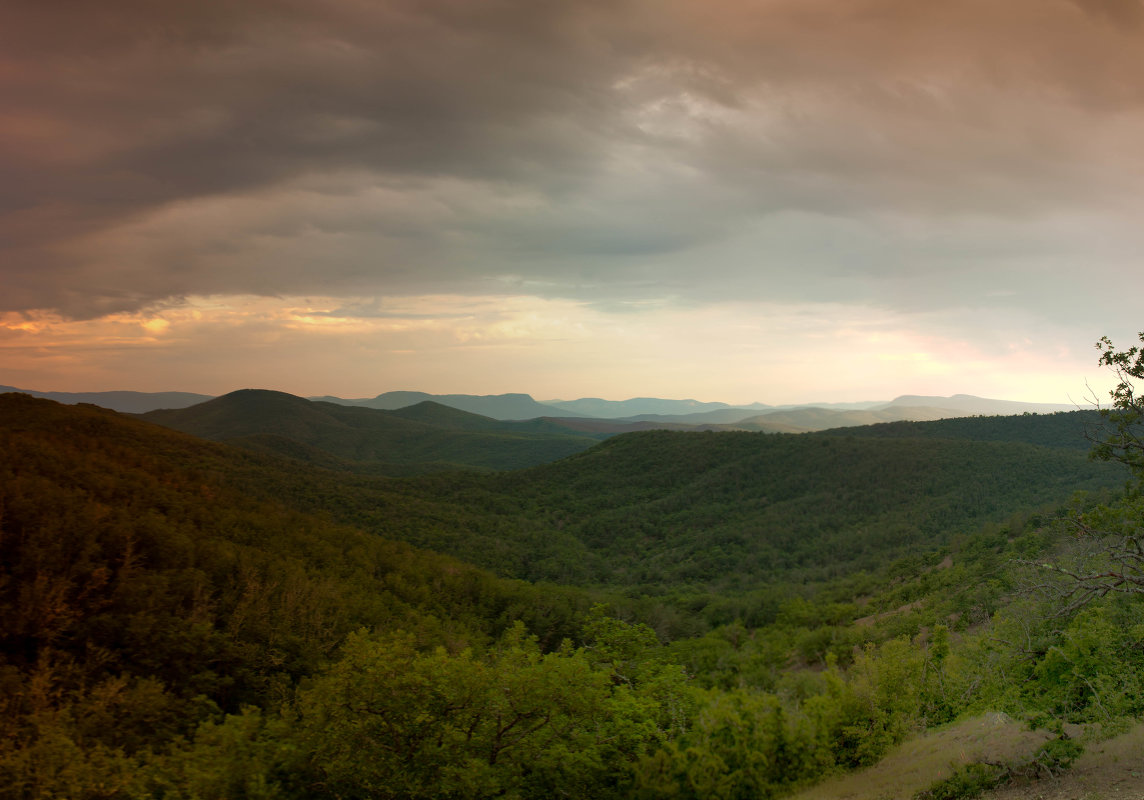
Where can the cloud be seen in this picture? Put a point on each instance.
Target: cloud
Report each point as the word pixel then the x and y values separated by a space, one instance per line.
pixel 732 351
pixel 616 153
pixel 1128 13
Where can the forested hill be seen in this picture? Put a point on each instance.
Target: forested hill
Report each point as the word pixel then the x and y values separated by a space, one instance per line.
pixel 1074 430
pixel 657 511
pixel 176 623
pixel 415 439
pixel 143 599
pixel 128 547
pixel 663 513
pixel 735 509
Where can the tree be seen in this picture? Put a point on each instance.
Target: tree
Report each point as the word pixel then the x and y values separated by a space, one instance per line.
pixel 1123 429
pixel 390 720
pixel 1107 556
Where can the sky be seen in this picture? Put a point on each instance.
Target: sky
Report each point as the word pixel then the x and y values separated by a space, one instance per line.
pixel 777 201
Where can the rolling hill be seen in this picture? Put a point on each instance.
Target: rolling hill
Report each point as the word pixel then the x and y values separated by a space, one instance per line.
pixel 424 436
pixel 968 405
pixel 145 594
pixel 720 511
pixel 128 402
pixel 735 509
pixel 499 406
pixel 1074 430
pixel 804 420
pixel 180 615
pixel 636 406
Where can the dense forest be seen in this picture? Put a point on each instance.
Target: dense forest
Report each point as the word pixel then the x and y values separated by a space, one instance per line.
pixel 665 614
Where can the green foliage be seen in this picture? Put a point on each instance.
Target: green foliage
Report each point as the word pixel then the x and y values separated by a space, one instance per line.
pixel 966 782
pixel 1122 438
pixel 732 512
pixel 142 595
pixel 693 528
pixel 746 743
pixel 243 756
pixel 188 620
pixel 390 721
pixel 1063 429
pixel 742 746
pixel 1094 671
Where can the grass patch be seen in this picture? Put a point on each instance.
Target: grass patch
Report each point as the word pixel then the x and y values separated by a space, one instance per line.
pixel 919 763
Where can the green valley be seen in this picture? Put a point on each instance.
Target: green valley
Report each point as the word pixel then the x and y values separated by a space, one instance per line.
pixel 342 602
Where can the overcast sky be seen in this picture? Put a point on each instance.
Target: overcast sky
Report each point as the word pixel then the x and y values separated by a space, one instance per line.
pixel 738 200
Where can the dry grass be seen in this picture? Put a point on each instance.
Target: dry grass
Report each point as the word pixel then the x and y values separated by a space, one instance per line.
pixel 921 761
pixel 1110 770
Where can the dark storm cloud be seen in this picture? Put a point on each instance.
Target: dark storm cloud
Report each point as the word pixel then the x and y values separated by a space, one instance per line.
pixel 117 109
pixel 151 151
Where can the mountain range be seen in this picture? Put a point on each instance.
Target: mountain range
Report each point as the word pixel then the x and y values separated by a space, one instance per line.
pixel 128 402
pixel 419 437
pixel 658 411
pixel 497 406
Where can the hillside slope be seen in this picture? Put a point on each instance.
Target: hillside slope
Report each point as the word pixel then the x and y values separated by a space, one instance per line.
pixel 722 508
pixel 427 435
pixel 127 549
pixel 1074 430
pixel 721 514
pixel 802 420
pixel 152 583
pixel 514 406
pixel 656 511
pixel 127 402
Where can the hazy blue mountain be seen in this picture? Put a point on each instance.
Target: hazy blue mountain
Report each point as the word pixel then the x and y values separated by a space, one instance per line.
pixel 803 420
pixel 969 405
pixel 721 416
pixel 855 406
pixel 129 402
pixel 602 428
pixel 440 415
pixel 498 406
pixel 659 411
pixel 636 406
pixel 733 415
pixel 800 419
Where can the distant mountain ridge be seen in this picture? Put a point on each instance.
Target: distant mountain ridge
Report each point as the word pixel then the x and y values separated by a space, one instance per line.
pixel 805 420
pixel 808 418
pixel 1074 430
pixel 598 408
pixel 426 435
pixel 513 406
pixel 648 411
pixel 127 402
pixel 969 404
